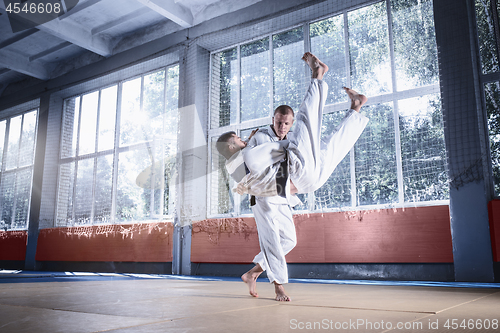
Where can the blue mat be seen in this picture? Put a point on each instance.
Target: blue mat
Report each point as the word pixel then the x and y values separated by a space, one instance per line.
pixel 18 276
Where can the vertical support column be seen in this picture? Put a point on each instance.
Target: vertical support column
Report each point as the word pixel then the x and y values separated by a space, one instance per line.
pixel 36 192
pixel 463 116
pixel 193 152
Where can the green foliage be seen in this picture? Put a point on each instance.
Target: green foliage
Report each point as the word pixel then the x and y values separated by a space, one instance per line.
pixel 375 156
pixel 328 43
pixel 414 43
pixel 423 151
pixel 255 91
pixel 486 32
pixel 369 49
pixel 492 92
pixel 419 127
pixel 488 50
pixel 227 59
pixel 288 69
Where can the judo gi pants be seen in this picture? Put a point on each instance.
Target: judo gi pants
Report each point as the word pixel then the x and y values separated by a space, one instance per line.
pixel 277 237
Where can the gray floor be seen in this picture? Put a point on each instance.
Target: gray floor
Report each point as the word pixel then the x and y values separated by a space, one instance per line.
pixel 69 302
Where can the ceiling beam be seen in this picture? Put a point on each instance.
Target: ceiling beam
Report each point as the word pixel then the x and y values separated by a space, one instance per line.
pixel 74 33
pixel 49 51
pixel 77 8
pixel 171 10
pixel 21 64
pixel 18 37
pixel 4 70
pixel 120 20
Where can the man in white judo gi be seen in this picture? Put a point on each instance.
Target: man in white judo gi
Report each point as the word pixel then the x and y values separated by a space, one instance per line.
pixel 275 167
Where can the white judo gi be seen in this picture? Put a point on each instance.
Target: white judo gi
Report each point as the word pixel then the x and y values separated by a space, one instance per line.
pixel 273 216
pixel 311 160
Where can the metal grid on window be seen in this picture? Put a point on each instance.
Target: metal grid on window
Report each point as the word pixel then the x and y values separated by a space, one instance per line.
pixel 400 157
pixel 488 30
pixel 17 153
pixel 118 152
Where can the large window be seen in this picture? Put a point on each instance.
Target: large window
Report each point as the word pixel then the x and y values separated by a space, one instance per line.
pixel 488 28
pixel 17 151
pixel 118 152
pixel 386 50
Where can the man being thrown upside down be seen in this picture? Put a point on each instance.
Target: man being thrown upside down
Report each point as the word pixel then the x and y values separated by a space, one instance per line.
pixel 275 167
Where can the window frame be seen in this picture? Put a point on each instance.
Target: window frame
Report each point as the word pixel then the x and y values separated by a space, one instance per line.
pixel 118 148
pixel 484 79
pixel 392 97
pixel 18 169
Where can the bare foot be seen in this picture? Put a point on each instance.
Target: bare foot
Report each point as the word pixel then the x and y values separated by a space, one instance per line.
pixel 281 295
pixel 318 68
pixel 357 100
pixel 250 278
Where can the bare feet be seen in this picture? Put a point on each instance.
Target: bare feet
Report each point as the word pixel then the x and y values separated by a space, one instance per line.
pixel 250 278
pixel 281 296
pixel 318 68
pixel 357 100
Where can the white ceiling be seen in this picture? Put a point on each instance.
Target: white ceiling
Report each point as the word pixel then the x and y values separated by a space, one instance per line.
pixel 93 30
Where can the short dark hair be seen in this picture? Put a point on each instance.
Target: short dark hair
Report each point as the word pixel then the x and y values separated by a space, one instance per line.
pixel 223 144
pixel 284 110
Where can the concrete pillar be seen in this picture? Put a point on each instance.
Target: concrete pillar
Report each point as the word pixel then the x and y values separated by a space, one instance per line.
pixel 36 191
pixel 465 140
pixel 193 152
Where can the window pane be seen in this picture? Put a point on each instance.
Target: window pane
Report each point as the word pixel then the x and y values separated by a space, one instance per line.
pixel 414 43
pixel 221 195
pixel 422 148
pixel 369 50
pixel 170 155
pixel 158 180
pixel 65 194
pixel 107 118
pixel 103 186
pixel 153 109
pixel 28 139
pixel 375 156
pixel 328 44
pixel 88 123
pixel 13 143
pixel 23 198
pixel 3 125
pixel 255 89
pixel 486 30
pixel 289 71
pixel 172 88
pixel 131 120
pixel 7 197
pixel 492 92
pixel 154 179
pixel 169 190
pixel 70 127
pixel 133 201
pixel 224 88
pixel 83 192
pixel 336 192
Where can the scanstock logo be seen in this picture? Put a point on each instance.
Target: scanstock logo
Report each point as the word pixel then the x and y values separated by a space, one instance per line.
pixel 27 14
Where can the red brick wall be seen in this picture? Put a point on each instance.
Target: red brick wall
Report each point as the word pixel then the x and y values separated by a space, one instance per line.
pixel 148 242
pixel 409 235
pixel 494 215
pixel 13 245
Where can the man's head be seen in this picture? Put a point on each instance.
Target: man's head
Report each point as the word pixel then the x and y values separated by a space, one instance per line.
pixel 229 143
pixel 282 120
